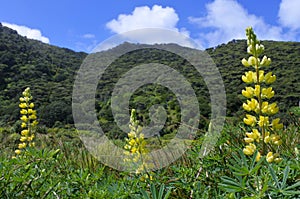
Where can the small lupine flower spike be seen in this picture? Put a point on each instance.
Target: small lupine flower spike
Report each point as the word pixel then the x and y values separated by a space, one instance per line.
pixel 29 121
pixel 260 112
pixel 135 147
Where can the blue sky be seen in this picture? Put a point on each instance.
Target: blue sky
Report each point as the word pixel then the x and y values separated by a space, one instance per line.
pixel 81 25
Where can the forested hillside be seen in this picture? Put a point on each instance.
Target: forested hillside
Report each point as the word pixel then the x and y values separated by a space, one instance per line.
pixel 50 71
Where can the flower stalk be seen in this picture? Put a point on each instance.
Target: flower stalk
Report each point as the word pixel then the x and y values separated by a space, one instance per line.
pixel 135 147
pixel 29 121
pixel 259 110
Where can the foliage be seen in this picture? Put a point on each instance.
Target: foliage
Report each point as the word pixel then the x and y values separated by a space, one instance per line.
pixel 61 165
pixel 50 71
pixel 252 179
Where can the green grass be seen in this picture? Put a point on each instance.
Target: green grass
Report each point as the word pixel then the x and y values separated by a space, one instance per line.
pixel 61 167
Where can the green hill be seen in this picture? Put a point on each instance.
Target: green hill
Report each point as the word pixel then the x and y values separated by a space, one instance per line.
pixel 50 72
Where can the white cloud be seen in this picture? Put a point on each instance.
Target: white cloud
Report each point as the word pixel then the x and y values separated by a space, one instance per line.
pixel 289 14
pixel 27 32
pixel 88 36
pixel 227 20
pixel 147 18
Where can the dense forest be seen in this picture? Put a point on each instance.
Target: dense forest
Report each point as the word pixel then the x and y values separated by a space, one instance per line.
pixel 50 72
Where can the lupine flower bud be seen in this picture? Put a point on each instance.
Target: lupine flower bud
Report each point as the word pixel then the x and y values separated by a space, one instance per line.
pixel 23 112
pixel 250 120
pixel 259 48
pixel 22 105
pixel 267 93
pixel 277 160
pixel 252 105
pixel 265 107
pixel 256 134
pixel 276 124
pixel 18 151
pixel 245 62
pixel 248 77
pixel 263 121
pixel 252 61
pixel 269 78
pixel 32 144
pixel 22 145
pixel 22 139
pixel 249 140
pixel 265 61
pixel 258 156
pixel 249 92
pixel 249 149
pixel 273 108
pixel 24 132
pixel 257 90
pixel 267 139
pixel 249 50
pixel 23 125
pixel 270 157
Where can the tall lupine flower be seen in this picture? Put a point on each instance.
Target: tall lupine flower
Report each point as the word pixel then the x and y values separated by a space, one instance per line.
pixel 260 112
pixel 29 122
pixel 135 147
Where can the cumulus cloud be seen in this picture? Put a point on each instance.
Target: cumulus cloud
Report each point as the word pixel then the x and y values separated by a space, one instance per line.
pixel 27 32
pixel 227 19
pixel 289 14
pixel 145 17
pixel 148 18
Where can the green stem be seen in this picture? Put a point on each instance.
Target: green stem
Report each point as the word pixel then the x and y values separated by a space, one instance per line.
pixel 259 98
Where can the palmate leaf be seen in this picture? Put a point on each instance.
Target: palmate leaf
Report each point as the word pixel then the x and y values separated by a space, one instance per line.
pixel 145 194
pixel 156 194
pixel 297 184
pixel 153 191
pixel 231 185
pixel 161 191
pixel 238 165
pixel 274 177
pixel 241 167
pixel 285 176
pixel 281 187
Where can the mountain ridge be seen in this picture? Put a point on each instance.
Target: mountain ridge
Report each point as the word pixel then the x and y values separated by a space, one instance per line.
pixel 50 72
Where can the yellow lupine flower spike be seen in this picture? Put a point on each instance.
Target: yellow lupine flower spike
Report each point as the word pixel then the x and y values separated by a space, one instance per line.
pixel 257 95
pixel 28 118
pixel 135 147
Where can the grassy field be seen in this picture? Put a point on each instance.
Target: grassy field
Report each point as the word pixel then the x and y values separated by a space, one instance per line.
pixel 60 167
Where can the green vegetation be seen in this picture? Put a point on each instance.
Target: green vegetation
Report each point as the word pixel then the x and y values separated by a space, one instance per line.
pixel 59 166
pixel 50 71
